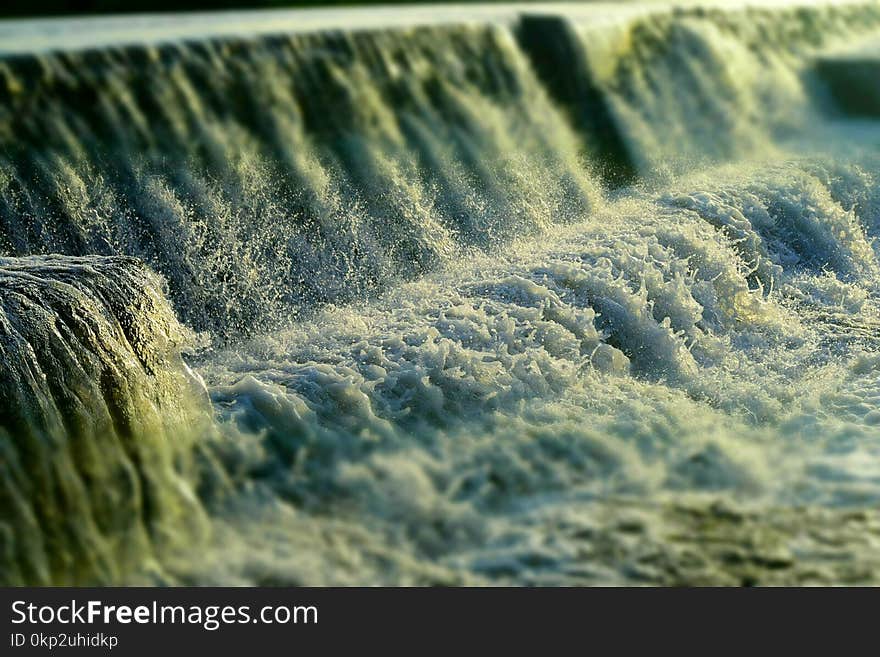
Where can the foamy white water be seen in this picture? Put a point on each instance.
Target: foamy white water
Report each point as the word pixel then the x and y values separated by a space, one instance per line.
pixel 577 297
pixel 503 420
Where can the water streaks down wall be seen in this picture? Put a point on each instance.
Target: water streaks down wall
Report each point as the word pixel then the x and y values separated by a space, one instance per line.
pixel 97 418
pixel 262 176
pixel 276 174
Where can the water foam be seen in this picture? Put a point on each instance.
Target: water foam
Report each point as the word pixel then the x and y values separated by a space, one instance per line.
pixel 479 303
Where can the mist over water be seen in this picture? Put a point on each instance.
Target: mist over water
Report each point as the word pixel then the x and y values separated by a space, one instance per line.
pixel 549 301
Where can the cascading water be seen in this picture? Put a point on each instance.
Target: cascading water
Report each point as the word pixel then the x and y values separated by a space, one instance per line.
pixel 97 419
pixel 549 299
pixel 220 163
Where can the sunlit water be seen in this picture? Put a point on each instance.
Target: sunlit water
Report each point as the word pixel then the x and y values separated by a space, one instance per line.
pixel 444 343
pixel 591 407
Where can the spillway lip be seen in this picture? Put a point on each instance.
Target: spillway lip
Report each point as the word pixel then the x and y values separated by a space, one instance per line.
pixel 34 35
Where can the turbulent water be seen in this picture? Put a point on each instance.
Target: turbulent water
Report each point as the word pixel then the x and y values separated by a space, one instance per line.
pixel 574 297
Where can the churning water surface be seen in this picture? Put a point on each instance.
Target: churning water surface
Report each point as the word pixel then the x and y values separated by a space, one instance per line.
pixel 540 300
